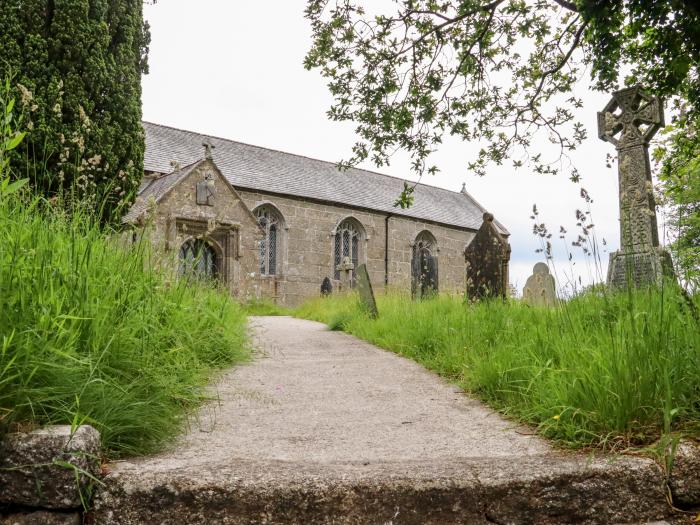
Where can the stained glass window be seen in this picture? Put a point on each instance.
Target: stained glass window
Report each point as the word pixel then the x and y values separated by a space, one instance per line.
pixel 269 220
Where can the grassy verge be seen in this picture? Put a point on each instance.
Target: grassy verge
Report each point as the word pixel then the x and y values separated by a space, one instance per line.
pixel 264 307
pixel 89 333
pixel 601 370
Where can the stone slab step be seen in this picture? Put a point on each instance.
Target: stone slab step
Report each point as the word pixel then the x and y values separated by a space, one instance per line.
pixel 534 490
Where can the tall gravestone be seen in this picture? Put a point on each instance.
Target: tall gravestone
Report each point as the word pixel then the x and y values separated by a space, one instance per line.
pixel 629 121
pixel 364 289
pixel 487 259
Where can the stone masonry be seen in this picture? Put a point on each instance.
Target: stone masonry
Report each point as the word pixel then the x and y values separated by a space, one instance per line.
pixel 307 245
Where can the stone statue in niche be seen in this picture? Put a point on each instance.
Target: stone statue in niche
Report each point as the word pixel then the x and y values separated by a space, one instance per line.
pixel 206 190
pixel 540 288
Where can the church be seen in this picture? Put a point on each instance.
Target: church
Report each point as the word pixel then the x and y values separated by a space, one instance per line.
pixel 275 225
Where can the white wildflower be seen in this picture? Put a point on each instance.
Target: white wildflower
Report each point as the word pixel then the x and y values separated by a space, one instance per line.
pixel 26 95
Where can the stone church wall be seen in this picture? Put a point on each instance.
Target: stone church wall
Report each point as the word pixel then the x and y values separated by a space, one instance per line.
pixel 307 248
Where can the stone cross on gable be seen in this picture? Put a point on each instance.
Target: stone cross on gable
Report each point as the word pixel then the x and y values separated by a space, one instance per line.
pixel 208 146
pixel 629 121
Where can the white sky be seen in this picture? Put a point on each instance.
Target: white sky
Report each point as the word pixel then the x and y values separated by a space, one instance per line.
pixel 234 69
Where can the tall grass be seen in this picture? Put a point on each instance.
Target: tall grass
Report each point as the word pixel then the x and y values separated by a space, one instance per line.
pixel 90 333
pixel 600 370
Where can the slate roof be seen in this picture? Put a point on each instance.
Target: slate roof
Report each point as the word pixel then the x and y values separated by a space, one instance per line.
pixel 256 168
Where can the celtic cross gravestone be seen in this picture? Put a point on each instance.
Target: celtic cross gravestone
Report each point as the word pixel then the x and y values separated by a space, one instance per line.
pixel 629 121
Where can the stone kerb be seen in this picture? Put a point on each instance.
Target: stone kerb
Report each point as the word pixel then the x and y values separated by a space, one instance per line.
pixel 684 480
pixel 48 473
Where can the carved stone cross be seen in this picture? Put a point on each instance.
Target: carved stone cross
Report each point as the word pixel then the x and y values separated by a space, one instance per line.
pixel 208 147
pixel 629 121
pixel 346 267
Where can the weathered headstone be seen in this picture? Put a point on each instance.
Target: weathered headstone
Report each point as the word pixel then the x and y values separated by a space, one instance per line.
pixel 487 259
pixel 540 288
pixel 629 121
pixel 364 289
pixel 326 287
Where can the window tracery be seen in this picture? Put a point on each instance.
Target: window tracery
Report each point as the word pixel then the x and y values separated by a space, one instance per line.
pixel 198 259
pixel 270 221
pixel 347 244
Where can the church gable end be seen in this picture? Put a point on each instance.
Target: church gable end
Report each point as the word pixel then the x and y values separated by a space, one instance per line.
pixel 195 214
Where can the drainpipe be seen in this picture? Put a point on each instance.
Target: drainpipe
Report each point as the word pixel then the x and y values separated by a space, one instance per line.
pixel 386 251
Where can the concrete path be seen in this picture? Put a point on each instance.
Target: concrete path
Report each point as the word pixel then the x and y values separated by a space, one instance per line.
pixel 324 428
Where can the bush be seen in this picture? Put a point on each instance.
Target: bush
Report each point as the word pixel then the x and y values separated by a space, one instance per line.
pixel 605 370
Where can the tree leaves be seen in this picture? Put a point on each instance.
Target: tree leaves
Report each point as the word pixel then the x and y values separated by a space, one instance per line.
pixel 498 73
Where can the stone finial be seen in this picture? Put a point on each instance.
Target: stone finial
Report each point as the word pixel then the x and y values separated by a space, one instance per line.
pixel 464 188
pixel 208 147
pixel 488 217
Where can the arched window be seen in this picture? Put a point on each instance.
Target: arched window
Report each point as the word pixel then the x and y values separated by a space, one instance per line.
pixel 347 244
pixel 424 268
pixel 425 242
pixel 271 222
pixel 198 259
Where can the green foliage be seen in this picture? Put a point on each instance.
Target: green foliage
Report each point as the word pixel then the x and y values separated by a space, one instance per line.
pixel 77 68
pixel 600 370
pixel 497 72
pixel 680 183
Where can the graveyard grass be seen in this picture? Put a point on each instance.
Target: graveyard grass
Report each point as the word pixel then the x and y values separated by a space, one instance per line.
pixel 89 333
pixel 602 370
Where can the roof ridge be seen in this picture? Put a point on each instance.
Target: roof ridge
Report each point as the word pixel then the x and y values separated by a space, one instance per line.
pixel 300 156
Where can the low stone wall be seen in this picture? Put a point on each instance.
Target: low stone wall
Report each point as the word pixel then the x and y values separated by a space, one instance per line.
pixel 47 475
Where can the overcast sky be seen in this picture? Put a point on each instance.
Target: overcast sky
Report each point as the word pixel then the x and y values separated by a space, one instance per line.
pixel 234 69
